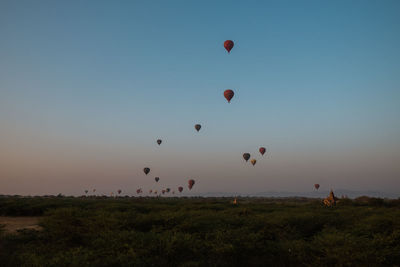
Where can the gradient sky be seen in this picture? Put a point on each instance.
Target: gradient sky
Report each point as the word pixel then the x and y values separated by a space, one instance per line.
pixel 86 88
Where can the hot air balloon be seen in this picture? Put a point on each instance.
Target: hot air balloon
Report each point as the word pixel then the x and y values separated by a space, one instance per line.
pixel 197 127
pixel 173 192
pixel 119 191
pixel 168 190
pixel 190 184
pixel 146 170
pixel 94 190
pixel 228 44
pixel 150 191
pixel 139 191
pixel 316 186
pixel 246 156
pixel 228 94
pixel 253 161
pixel 163 191
pixel 262 150
pixel 155 192
pixel 86 191
pixel 180 189
pixel 157 179
pixel 159 141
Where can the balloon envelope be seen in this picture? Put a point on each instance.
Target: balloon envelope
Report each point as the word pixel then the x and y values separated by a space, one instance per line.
pixel 190 184
pixel 316 186
pixel 146 170
pixel 180 189
pixel 157 179
pixel 228 44
pixel 262 150
pixel 253 161
pixel 228 94
pixel 246 156
pixel 197 127
pixel 159 141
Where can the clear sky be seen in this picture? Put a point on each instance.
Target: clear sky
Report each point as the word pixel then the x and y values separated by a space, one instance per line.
pixel 86 88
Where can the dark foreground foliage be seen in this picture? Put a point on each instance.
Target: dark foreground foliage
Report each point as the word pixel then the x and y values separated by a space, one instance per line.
pixel 202 232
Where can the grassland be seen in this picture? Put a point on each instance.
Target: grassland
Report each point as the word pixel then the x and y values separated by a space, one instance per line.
pixel 201 232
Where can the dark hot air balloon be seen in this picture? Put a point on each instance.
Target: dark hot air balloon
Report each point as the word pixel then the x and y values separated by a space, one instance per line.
pixel 119 191
pixel 157 179
pixel 262 150
pixel 159 141
pixel 163 191
pixel 190 184
pixel 246 156
pixel 146 170
pixel 168 190
pixel 253 161
pixel 86 191
pixel 228 44
pixel 197 127
pixel 228 94
pixel 316 186
pixel 180 189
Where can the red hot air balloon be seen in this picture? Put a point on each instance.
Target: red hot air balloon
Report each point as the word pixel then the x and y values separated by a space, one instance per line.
pixel 150 191
pixel 316 186
pixel 146 170
pixel 139 191
pixel 228 94
pixel 159 141
pixel 157 179
pixel 180 189
pixel 190 184
pixel 262 150
pixel 119 191
pixel 228 44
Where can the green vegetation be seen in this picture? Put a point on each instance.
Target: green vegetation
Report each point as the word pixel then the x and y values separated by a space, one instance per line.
pixel 202 232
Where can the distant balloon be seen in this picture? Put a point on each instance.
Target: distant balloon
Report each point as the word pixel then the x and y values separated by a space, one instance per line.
pixel 190 184
pixel 180 189
pixel 246 156
pixel 168 190
pixel 159 141
pixel 262 150
pixel 316 186
pixel 197 127
pixel 86 191
pixel 119 191
pixel 163 191
pixel 253 161
pixel 150 191
pixel 228 44
pixel 157 179
pixel 94 190
pixel 146 170
pixel 228 94
pixel 139 191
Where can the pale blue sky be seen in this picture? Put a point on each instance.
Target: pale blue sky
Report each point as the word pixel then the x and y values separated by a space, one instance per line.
pixel 86 87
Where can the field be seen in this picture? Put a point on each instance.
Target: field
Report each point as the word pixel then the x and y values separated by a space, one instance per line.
pixel 198 232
